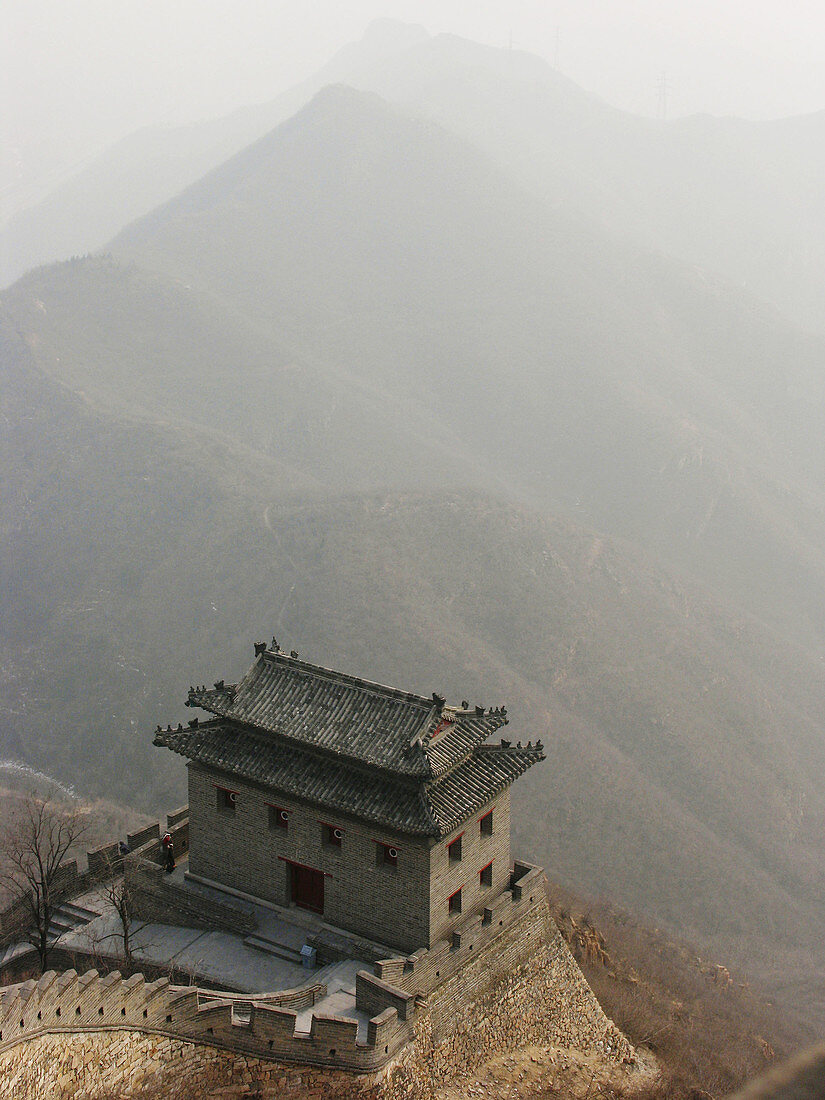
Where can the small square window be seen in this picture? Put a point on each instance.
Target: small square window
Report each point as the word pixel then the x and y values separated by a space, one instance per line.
pixel 454 903
pixel 454 850
pixel 485 876
pixel 278 818
pixel 333 836
pixel 485 824
pixel 226 800
pixel 386 856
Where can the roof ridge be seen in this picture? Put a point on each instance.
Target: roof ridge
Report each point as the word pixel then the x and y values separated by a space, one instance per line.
pixel 347 678
pixel 509 747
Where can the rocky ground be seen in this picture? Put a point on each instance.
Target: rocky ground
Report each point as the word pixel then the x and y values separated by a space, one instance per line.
pixel 540 1072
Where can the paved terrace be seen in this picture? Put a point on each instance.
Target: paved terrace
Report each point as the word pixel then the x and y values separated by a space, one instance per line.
pixel 226 960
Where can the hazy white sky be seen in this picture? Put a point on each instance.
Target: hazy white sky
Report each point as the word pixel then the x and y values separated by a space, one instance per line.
pixel 78 74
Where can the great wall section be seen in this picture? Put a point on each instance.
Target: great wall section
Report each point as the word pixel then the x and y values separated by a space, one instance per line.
pixel 505 980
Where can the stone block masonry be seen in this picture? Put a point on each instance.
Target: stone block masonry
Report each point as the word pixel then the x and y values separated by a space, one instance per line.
pixel 500 978
pixel 102 1065
pixel 492 985
pixel 265 1025
pixel 544 998
pixel 241 848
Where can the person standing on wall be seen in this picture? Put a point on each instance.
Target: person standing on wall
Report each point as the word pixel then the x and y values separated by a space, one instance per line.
pixel 169 850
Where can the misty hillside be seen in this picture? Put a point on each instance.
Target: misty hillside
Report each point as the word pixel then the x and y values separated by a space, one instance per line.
pixel 632 679
pixel 359 389
pixel 148 167
pixel 737 198
pixel 392 310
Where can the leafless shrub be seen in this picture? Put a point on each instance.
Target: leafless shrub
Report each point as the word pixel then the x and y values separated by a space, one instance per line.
pixel 34 844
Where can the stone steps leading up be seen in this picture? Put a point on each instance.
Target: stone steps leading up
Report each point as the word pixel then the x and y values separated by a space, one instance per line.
pixel 272 947
pixel 80 914
pixel 67 917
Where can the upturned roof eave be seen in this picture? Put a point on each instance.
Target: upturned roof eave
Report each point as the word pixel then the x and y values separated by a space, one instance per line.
pixel 428 827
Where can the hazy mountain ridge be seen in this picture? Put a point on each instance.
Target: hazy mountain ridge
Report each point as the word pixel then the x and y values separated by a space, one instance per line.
pixel 147 167
pixel 643 401
pixel 735 197
pixel 361 299
pixel 616 379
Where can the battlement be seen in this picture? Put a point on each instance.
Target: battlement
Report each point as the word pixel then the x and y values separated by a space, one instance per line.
pixel 265 1025
pixel 102 863
pixel 392 998
pixel 388 1003
pixel 424 970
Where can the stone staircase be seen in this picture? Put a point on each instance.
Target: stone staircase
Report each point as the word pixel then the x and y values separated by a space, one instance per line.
pixel 261 942
pixel 67 917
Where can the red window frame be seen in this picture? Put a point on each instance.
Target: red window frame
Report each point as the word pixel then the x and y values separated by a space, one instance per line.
pixel 454 902
pixel 488 869
pixel 278 817
pixel 227 798
pixel 483 828
pixel 329 835
pixel 386 859
pixel 456 840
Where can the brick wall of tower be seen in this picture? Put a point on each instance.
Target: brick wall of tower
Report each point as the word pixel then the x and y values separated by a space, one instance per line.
pixel 362 894
pixel 477 851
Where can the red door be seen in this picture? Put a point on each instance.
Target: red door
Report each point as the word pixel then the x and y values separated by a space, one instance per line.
pixel 307 887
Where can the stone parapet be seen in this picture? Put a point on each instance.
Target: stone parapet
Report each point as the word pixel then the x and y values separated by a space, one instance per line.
pixel 426 970
pixel 101 863
pixel 261 1026
pixel 505 977
pixel 157 898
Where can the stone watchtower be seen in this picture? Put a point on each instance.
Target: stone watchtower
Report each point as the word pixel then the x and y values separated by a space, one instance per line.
pixel 383 811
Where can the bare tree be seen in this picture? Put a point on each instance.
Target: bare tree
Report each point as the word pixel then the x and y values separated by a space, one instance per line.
pixel 34 845
pixel 116 893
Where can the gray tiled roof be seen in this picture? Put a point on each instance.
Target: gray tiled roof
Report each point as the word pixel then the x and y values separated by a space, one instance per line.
pixel 349 717
pixel 431 808
pixel 479 779
pixel 313 777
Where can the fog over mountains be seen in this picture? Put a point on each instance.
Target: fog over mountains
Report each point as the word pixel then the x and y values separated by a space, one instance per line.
pixel 451 380
pixel 738 198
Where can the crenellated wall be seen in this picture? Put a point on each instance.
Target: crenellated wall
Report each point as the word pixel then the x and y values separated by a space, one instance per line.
pixel 524 988
pixel 425 970
pixel 393 997
pixel 101 863
pixel 506 967
pixel 265 1026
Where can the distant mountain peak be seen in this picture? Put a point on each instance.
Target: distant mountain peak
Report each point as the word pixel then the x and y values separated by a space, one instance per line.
pixel 385 33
